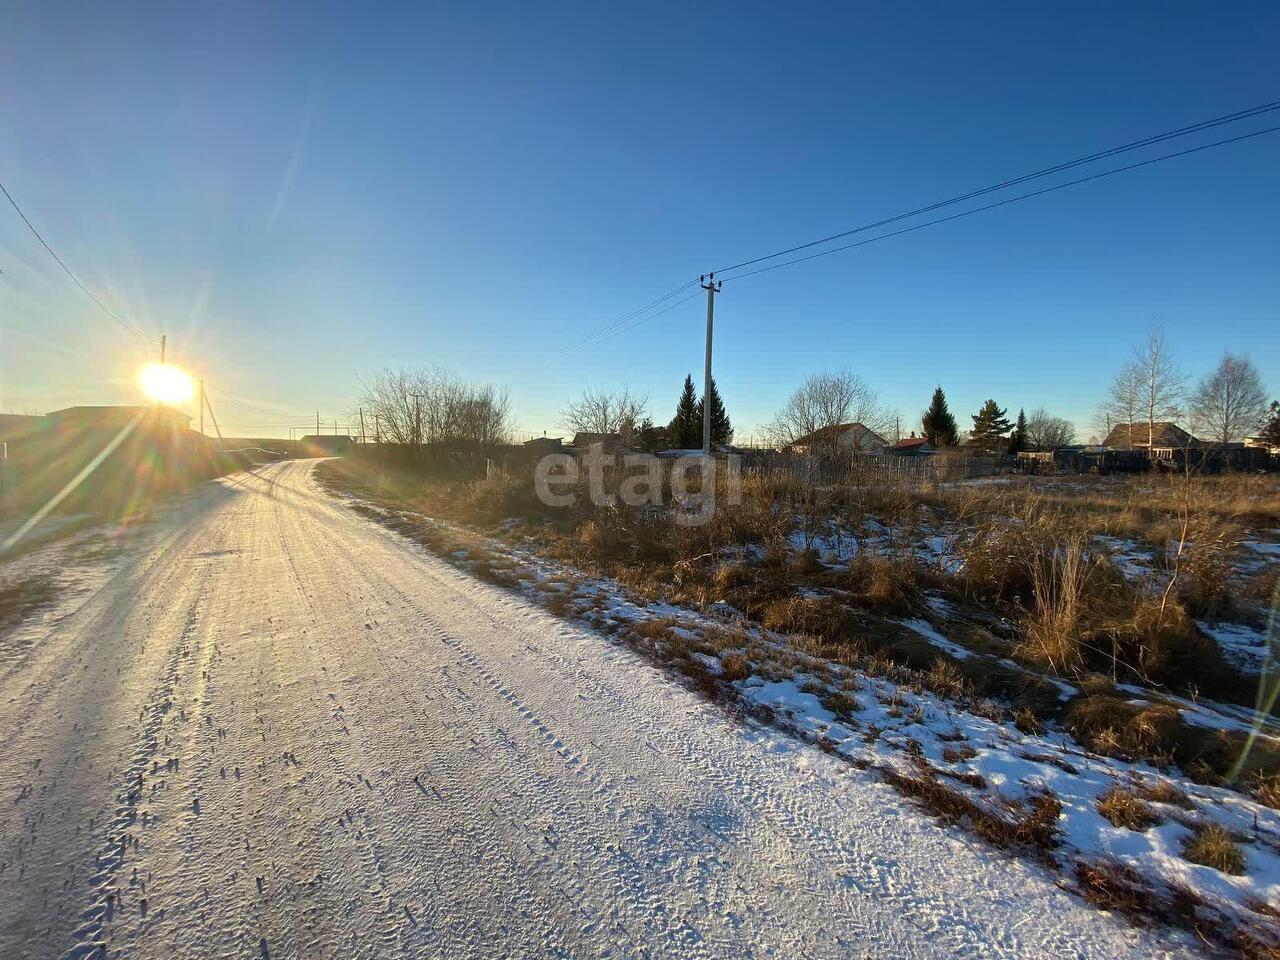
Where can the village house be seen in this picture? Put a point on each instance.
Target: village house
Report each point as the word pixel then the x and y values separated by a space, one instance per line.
pixel 1162 438
pixel 840 438
pixel 911 446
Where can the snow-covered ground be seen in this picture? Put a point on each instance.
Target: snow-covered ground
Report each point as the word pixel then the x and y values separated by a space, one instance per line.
pixel 899 729
pixel 279 730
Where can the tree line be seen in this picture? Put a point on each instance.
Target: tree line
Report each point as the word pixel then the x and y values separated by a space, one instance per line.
pixel 1226 405
pixel 433 406
pixel 626 415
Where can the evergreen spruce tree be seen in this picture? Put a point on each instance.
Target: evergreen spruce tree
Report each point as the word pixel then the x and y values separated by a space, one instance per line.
pixel 990 428
pixel 721 428
pixel 939 426
pixel 685 430
pixel 1271 425
pixel 1018 439
pixel 651 438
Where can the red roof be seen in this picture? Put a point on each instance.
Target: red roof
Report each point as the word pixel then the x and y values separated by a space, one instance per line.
pixel 910 443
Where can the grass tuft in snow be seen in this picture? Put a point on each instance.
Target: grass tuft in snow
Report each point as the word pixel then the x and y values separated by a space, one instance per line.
pixel 1213 846
pixel 1124 808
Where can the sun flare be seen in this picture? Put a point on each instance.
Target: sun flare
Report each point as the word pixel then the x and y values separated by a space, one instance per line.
pixel 165 383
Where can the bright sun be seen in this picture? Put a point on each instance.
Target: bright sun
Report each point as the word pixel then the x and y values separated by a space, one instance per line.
pixel 165 383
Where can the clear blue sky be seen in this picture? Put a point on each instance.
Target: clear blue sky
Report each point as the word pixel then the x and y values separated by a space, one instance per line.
pixel 300 195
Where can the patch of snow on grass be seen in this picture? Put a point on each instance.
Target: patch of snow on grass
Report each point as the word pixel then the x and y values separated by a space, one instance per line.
pixel 927 630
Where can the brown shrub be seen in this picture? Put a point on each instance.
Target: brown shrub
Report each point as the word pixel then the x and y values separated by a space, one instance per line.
pixel 887 586
pixel 1054 624
pixel 819 616
pixel 1123 808
pixel 500 496
pixel 1118 728
pixel 1213 846
pixel 1025 719
pixel 735 667
pixel 1204 568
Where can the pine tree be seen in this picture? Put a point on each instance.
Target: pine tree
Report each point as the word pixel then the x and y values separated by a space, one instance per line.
pixel 1018 439
pixel 721 428
pixel 651 438
pixel 685 430
pixel 1271 425
pixel 939 426
pixel 990 428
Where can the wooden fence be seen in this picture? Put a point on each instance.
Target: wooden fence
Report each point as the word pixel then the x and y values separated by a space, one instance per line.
pixel 874 469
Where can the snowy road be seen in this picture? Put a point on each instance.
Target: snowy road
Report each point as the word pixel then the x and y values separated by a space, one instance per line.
pixel 280 730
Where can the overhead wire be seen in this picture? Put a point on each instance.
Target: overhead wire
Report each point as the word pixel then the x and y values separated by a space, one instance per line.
pixel 600 333
pixel 1006 201
pixel 62 263
pixel 1014 181
pixel 630 321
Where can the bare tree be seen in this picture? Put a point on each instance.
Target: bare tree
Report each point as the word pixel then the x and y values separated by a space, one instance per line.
pixel 606 411
pixel 1045 432
pixel 1163 385
pixel 433 406
pixel 1230 401
pixel 1122 406
pixel 828 400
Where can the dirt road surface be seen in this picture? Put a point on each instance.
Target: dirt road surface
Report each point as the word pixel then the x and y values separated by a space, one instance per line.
pixel 279 730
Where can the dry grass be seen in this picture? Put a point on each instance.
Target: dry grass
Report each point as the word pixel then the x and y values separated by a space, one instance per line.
pixel 1117 728
pixel 1031 824
pixel 890 586
pixel 1116 887
pixel 817 616
pixel 1059 586
pixel 735 667
pixel 1124 808
pixel 1213 846
pixel 1266 789
pixel 1165 791
pixel 22 597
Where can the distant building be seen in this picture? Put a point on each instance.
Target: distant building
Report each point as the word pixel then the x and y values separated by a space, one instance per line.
pixel 840 438
pixel 585 440
pixel 116 417
pixel 540 446
pixel 1162 436
pixel 19 426
pixel 325 444
pixel 911 446
pixel 131 455
pixel 1258 443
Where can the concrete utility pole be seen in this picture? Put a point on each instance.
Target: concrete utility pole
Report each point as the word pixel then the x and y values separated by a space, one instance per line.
pixel 712 288
pixel 317 423
pixel 417 421
pixel 163 338
pixel 362 424
pixel 202 404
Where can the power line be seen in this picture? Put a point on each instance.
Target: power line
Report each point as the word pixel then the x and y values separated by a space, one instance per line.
pixel 583 341
pixel 1057 168
pixel 87 292
pixel 1008 200
pixel 642 320
pixel 266 411
pixel 617 327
